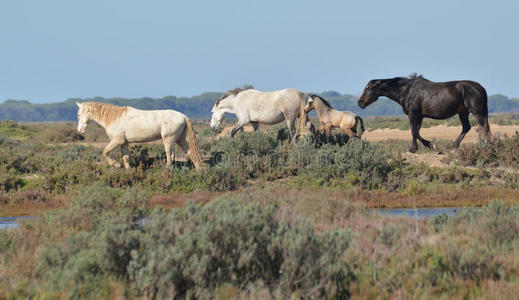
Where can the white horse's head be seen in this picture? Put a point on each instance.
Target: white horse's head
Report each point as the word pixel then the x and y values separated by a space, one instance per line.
pixel 83 117
pixel 225 105
pixel 217 115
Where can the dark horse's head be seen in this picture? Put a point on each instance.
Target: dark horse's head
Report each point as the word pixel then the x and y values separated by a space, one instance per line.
pixel 384 87
pixel 371 92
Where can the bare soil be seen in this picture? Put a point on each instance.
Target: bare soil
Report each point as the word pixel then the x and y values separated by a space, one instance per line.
pixel 441 132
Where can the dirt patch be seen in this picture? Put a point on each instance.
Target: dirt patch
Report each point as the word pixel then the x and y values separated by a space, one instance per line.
pixel 441 132
pixel 430 159
pixel 226 132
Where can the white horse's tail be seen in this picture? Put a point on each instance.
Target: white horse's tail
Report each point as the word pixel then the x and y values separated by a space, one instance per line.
pixel 302 114
pixel 194 153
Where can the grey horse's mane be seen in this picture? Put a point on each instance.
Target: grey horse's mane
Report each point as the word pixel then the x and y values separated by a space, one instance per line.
pixel 234 91
pixel 321 98
pixel 415 76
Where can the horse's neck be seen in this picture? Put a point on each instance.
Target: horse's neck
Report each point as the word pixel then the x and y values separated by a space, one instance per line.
pixel 321 108
pixel 396 94
pixel 228 105
pixel 105 115
pixel 98 121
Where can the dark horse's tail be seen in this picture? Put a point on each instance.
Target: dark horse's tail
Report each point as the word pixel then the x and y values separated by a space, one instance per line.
pixel 362 129
pixel 486 126
pixel 476 100
pixel 484 114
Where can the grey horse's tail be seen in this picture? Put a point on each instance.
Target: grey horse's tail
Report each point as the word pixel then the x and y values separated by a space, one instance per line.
pixel 302 114
pixel 362 128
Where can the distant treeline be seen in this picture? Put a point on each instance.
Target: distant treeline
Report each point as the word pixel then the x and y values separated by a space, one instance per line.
pixel 199 107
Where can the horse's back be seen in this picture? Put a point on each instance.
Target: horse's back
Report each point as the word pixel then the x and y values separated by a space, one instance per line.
pixel 268 107
pixel 147 125
pixel 275 100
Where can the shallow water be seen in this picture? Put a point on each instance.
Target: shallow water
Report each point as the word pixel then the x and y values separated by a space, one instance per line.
pixel 11 222
pixel 419 213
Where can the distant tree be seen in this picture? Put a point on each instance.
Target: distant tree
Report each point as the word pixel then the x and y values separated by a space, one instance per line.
pixel 199 107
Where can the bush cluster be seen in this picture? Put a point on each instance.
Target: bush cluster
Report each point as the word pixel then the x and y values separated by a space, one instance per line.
pixel 108 243
pixel 191 251
pixel 247 159
pixel 258 155
pixel 498 152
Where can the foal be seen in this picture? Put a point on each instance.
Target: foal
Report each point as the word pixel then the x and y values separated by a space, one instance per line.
pixel 329 118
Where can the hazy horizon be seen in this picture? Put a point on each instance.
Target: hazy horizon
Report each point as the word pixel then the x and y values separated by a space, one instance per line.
pixel 56 50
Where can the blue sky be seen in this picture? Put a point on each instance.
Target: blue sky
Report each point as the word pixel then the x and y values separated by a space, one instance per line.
pixel 53 50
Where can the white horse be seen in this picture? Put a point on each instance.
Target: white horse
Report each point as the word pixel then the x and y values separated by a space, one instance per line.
pixel 254 107
pixel 125 124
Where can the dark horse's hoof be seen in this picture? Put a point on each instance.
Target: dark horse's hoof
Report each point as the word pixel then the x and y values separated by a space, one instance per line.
pixel 413 149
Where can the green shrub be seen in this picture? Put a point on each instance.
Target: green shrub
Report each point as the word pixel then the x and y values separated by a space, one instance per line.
pixel 9 180
pixel 498 152
pixel 15 130
pixel 433 269
pixel 189 251
pixel 332 163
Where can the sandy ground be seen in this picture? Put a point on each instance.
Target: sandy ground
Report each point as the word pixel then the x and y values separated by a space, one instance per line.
pixel 440 132
pixel 226 132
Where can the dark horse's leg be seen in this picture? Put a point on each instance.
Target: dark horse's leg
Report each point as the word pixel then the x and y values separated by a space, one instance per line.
pixel 425 142
pixel 416 123
pixel 464 118
pixel 414 132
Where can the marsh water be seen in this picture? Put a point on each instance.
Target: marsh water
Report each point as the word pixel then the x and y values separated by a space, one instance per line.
pixel 12 222
pixel 419 213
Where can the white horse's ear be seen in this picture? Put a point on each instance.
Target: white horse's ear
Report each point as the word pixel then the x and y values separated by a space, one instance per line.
pixel 78 104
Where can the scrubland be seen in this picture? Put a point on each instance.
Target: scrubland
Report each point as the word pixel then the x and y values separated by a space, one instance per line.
pixel 266 219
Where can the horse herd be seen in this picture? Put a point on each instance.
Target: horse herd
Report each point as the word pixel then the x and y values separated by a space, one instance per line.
pixel 419 98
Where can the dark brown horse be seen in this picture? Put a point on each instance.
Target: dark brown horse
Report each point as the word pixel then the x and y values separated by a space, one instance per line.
pixel 421 98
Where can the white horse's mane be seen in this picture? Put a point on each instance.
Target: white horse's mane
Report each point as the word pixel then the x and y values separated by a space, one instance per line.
pixel 104 112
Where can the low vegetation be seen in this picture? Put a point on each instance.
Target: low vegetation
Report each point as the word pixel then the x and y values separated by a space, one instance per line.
pixel 55 169
pixel 266 219
pixel 110 243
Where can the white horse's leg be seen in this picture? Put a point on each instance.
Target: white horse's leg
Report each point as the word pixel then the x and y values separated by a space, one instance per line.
pixel 238 127
pixel 111 146
pixel 126 155
pixel 168 146
pixel 183 144
pixel 291 122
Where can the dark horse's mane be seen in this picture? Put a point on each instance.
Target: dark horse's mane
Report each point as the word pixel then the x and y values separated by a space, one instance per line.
pixel 321 98
pixel 234 91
